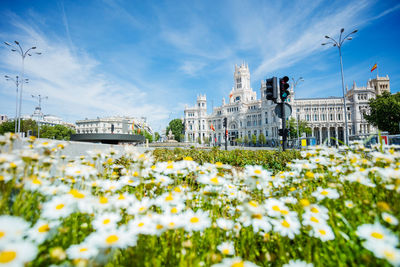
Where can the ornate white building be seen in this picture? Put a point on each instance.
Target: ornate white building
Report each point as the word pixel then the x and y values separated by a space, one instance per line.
pixel 121 125
pixel 247 115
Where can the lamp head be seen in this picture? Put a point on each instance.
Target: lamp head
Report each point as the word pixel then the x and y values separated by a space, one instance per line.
pixel 342 30
pixel 7 43
pixel 16 42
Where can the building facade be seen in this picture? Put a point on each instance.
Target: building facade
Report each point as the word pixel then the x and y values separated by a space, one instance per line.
pixel 3 118
pixel 118 125
pixel 247 116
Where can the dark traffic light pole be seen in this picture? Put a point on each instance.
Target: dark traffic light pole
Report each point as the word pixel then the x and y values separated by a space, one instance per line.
pixel 284 135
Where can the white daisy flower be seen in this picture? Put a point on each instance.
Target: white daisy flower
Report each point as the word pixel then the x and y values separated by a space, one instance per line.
pixel 114 238
pixel 82 251
pixel 322 193
pixel 226 248
pixel 318 210
pixel 390 218
pixel 17 253
pixel 58 207
pixel 106 221
pixel 42 230
pixel 12 228
pixel 288 226
pixel 323 232
pixel 196 221
pixel 377 233
pixel 297 263
pixel 233 262
pixel 384 251
pixel 224 224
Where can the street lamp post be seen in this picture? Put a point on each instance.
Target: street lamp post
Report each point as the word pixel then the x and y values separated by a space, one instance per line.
pixel 40 98
pixel 16 81
pixel 297 115
pixel 339 44
pixel 23 54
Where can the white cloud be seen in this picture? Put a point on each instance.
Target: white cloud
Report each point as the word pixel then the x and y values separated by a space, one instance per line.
pixel 74 82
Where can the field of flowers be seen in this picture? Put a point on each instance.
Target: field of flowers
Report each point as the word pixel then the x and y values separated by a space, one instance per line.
pixel 330 207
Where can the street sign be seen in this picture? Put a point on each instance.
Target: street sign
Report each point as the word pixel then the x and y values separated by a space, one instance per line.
pixel 288 110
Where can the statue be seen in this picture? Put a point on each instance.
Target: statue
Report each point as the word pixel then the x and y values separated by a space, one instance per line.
pixel 171 137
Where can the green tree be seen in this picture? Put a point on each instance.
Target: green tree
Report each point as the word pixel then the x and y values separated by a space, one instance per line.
pixel 246 139
pixel 7 127
pixel 384 112
pixel 156 136
pixel 261 139
pixel 303 128
pixel 254 139
pixel 176 127
pixel 59 132
pixel 239 140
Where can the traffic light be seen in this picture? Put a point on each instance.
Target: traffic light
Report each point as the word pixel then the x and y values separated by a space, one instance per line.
pixel 272 89
pixel 284 88
pixel 282 132
pixel 225 122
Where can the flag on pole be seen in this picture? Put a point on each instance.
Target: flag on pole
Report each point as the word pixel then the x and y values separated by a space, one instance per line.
pixel 230 95
pixel 374 67
pixel 133 126
pixel 212 127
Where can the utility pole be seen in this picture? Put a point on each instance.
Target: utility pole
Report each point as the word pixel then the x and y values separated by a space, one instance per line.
pixel 39 97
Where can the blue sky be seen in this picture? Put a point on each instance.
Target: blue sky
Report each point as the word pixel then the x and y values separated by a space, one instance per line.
pixel 150 58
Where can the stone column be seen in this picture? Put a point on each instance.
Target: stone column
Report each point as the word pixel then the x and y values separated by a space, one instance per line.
pixel 336 135
pixel 329 135
pixel 320 135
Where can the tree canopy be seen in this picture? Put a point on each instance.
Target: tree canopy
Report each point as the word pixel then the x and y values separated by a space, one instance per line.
pixel 303 128
pixel 384 112
pixel 176 127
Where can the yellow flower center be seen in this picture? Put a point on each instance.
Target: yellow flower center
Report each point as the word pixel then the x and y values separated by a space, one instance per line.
pixel 136 174
pixel 304 202
pixel 377 235
pixel 257 216
pixel 59 206
pixel 169 198
pixel 389 255
pixel 322 232
pixel 238 264
pixel 219 164
pixel 309 174
pixel 214 180
pixel 188 158
pixel 315 210
pixel 276 208
pixel 76 194
pixel 285 224
pixel 121 197
pixel 103 200
pixel 83 250
pixel 253 203
pixel 194 220
pixel 111 239
pixel 142 209
pixel 170 166
pixel 174 210
pixel 44 228
pixel 171 224
pixel 106 221
pixel 7 256
pixel 37 181
pixel 324 193
pixel 2 234
pixel 284 212
pixel 313 219
pixel 141 224
pixel 257 171
pixel 225 251
pixel 159 226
